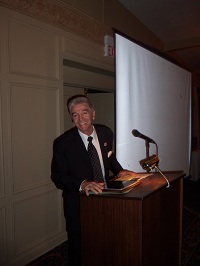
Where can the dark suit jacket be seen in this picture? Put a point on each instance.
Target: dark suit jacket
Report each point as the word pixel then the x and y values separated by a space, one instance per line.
pixel 71 164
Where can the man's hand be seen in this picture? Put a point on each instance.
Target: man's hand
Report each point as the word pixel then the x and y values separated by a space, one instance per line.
pixel 95 187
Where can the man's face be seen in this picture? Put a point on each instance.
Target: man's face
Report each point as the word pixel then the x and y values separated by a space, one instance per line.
pixel 83 117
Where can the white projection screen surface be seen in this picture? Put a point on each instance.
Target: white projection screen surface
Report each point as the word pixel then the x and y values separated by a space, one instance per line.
pixel 153 96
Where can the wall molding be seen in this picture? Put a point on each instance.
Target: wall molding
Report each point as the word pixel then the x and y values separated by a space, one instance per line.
pixel 63 16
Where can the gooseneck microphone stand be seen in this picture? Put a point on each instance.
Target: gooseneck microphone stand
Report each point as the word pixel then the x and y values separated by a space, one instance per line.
pixel 150 162
pixel 147 148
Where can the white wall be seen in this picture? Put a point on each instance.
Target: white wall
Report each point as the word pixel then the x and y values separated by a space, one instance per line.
pixel 31 81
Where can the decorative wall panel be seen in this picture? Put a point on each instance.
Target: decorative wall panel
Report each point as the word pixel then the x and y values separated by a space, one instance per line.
pixel 34 112
pixel 1 152
pixel 32 51
pixel 2 235
pixel 41 220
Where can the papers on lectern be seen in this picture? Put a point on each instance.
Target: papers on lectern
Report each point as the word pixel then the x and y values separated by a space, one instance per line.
pixel 124 184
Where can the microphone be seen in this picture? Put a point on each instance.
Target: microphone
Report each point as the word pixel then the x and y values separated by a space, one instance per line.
pixel 136 133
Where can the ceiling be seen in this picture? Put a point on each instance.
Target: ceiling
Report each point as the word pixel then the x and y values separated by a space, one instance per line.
pixel 176 23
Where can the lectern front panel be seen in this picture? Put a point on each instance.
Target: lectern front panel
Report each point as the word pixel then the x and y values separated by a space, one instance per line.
pixel 140 228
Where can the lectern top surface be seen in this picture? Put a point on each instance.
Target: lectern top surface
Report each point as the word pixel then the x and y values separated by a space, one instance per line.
pixel 140 188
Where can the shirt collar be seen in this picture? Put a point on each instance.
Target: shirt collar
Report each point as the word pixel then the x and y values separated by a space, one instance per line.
pixel 85 137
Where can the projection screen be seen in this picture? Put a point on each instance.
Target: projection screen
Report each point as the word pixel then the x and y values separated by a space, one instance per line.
pixel 153 96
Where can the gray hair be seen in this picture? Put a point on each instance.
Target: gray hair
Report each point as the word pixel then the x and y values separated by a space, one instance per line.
pixel 79 98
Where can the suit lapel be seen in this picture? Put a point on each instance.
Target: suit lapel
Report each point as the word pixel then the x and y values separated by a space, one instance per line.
pixel 79 146
pixel 104 149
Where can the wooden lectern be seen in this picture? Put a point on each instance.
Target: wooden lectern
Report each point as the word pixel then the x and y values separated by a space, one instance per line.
pixel 141 227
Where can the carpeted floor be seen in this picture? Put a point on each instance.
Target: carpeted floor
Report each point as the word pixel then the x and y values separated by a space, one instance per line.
pixel 191 232
pixel 55 257
pixel 191 223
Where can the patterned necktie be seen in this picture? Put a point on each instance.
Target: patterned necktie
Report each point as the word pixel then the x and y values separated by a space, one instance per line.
pixel 94 158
